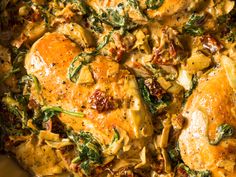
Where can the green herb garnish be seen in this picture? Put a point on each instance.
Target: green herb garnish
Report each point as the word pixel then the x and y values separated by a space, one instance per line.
pixel 223 131
pixel 18 56
pixel 88 148
pixel 193 173
pixel 154 4
pixel 116 17
pixel 116 135
pixel 155 105
pixel 135 5
pixel 174 153
pixel 17 107
pixel 95 23
pixel 194 25
pixel 50 111
pixel 190 91
pixel 85 58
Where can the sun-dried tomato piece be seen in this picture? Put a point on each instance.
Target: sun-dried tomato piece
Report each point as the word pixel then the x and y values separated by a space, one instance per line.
pixel 170 51
pixel 154 88
pixel 102 102
pixel 33 104
pixel 211 43
pixel 180 172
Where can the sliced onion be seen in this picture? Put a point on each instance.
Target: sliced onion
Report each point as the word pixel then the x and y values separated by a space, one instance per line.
pixel 185 79
pixel 230 69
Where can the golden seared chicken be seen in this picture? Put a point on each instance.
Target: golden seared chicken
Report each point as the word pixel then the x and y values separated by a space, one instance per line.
pixel 154 9
pixel 96 87
pixel 208 141
pixel 105 92
pixel 172 7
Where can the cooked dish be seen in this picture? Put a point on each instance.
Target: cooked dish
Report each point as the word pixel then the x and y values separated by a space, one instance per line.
pixel 119 88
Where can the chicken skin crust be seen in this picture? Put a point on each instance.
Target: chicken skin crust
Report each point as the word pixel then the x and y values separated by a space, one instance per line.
pixel 212 104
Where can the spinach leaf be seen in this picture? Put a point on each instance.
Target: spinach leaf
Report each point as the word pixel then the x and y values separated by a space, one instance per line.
pixel 192 173
pixel 223 131
pixel 95 23
pixel 155 105
pixel 11 128
pixel 9 74
pixel 227 25
pixel 49 112
pixel 231 36
pixel 115 18
pixel 73 71
pixel 116 135
pixel 82 6
pixel 36 83
pixel 154 4
pixel 135 5
pixel 18 56
pixel 174 153
pixel 17 107
pixel 190 91
pixel 194 25
pixel 85 58
pixel 111 16
pixel 88 148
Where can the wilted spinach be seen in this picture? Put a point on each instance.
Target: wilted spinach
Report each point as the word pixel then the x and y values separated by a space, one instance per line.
pixel 116 135
pixel 88 148
pixel 193 173
pixel 154 4
pixel 50 111
pixel 174 153
pixel 135 5
pixel 95 23
pixel 84 59
pixel 227 25
pixel 114 18
pixel 223 131
pixel 18 107
pixel 155 105
pixel 18 56
pixel 190 91
pixel 194 25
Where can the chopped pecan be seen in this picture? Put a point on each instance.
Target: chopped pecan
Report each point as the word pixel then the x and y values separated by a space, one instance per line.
pixel 211 43
pixel 170 51
pixel 102 102
pixel 154 88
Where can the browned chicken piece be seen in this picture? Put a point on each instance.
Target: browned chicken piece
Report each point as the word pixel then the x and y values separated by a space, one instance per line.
pixel 172 7
pixel 167 8
pixel 212 105
pixel 105 92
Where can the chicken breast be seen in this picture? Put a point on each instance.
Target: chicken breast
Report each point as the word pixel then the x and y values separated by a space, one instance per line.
pixel 105 92
pixel 212 105
pixel 154 9
pixel 172 7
